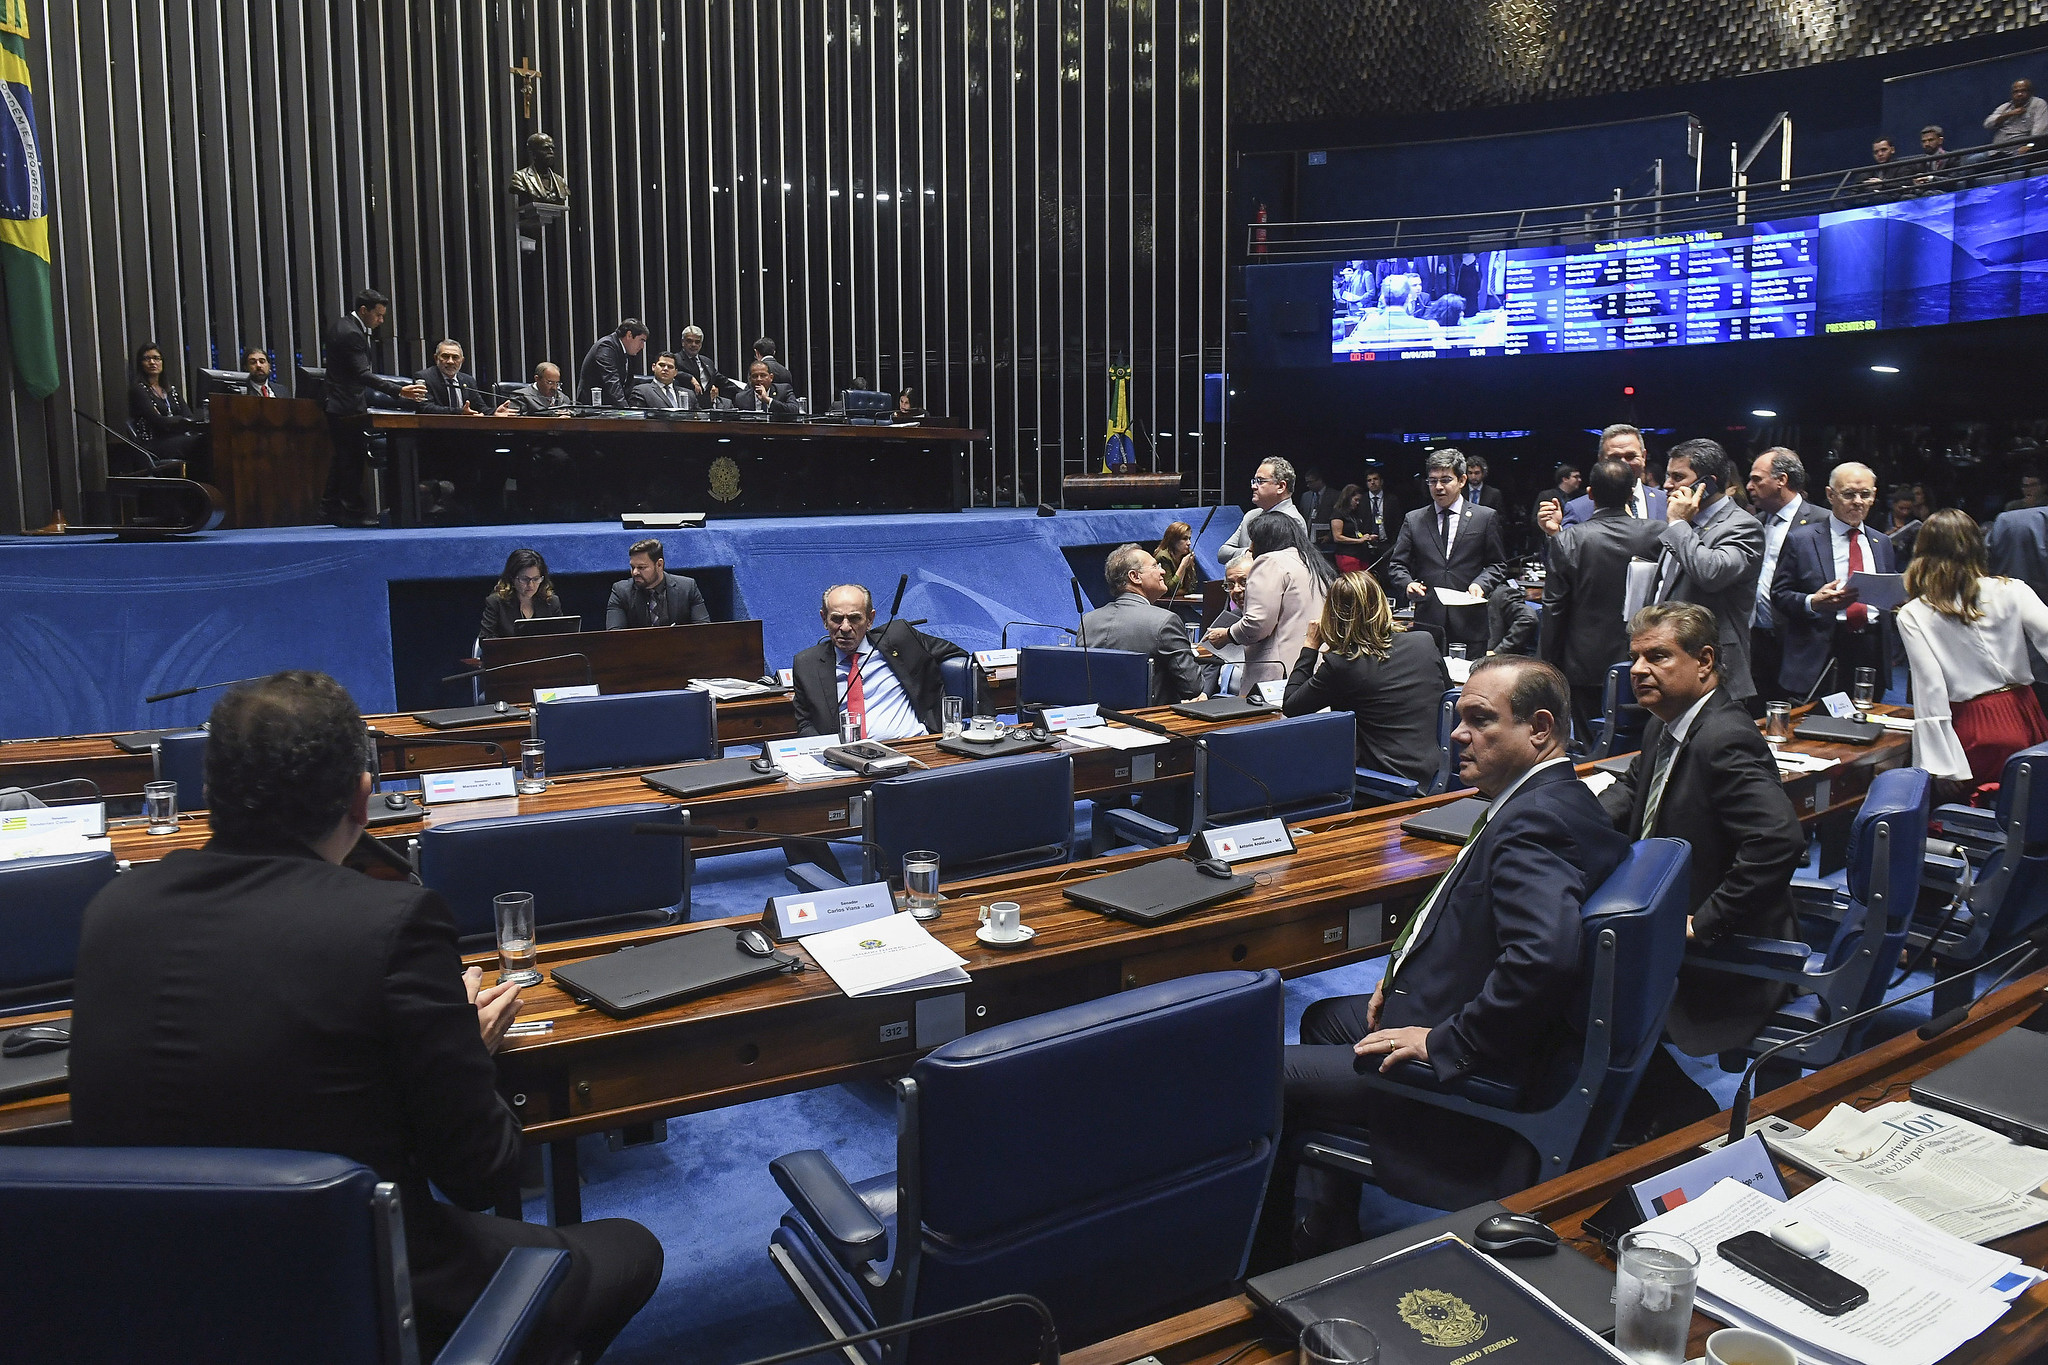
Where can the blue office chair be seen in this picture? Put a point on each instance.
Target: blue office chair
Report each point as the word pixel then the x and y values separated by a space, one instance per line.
pixel 1997 877
pixel 1860 928
pixel 957 677
pixel 994 815
pixel 237 1256
pixel 1109 1158
pixel 1632 942
pixel 1619 727
pixel 583 867
pixel 42 907
pixel 1375 788
pixel 1294 769
pixel 627 730
pixel 180 757
pixel 1054 675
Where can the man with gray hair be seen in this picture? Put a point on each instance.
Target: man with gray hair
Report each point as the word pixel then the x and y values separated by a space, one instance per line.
pixel 1777 488
pixel 1827 631
pixel 1272 491
pixel 1134 620
pixel 695 370
pixel 1450 544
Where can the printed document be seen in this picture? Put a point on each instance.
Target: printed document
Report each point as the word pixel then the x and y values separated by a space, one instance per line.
pixel 885 956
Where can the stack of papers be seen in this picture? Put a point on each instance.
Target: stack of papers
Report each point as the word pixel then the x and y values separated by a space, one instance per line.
pixel 799 761
pixel 1791 760
pixel 726 689
pixel 1929 1292
pixel 1902 724
pixel 886 956
pixel 1115 737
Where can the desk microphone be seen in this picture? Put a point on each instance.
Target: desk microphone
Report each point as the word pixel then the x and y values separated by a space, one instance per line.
pixel 1244 773
pixel 1135 722
pixel 589 675
pixel 28 801
pixel 1048 1334
pixel 1043 625
pixel 1081 635
pixel 897 605
pixel 202 687
pixel 1738 1112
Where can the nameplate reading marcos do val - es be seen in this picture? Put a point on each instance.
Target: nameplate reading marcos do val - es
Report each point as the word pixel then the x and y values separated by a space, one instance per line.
pixel 808 912
pixel 474 785
pixel 1242 843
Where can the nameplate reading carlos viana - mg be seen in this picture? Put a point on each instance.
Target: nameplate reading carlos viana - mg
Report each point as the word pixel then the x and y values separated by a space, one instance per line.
pixel 1242 843
pixel 474 785
pixel 810 912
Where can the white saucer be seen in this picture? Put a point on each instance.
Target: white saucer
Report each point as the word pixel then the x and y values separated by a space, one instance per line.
pixel 982 737
pixel 1025 933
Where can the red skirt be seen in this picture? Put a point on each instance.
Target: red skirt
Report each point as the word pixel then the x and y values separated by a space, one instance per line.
pixel 1995 726
pixel 1350 564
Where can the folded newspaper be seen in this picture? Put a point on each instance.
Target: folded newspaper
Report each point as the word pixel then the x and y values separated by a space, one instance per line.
pixel 1962 1177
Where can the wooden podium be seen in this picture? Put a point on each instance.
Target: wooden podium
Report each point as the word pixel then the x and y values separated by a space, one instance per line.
pixel 270 458
pixel 646 659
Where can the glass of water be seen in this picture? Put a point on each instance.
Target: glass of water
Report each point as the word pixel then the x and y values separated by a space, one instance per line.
pixel 1456 652
pixel 1863 692
pixel 597 398
pixel 921 883
pixel 533 767
pixel 953 708
pixel 1338 1341
pixel 1655 1276
pixel 849 728
pixel 1778 721
pixel 517 956
pixel 160 806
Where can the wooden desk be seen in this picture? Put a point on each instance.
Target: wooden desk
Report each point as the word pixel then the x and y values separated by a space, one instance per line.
pixel 1209 1334
pixel 646 659
pixel 270 458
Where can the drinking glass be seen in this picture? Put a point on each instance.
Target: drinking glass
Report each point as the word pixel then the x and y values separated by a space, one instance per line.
pixel 1457 652
pixel 160 806
pixel 849 728
pixel 1863 693
pixel 533 767
pixel 921 883
pixel 952 711
pixel 1339 1341
pixel 516 954
pixel 1194 634
pixel 1654 1280
pixel 1778 721
pixel 597 398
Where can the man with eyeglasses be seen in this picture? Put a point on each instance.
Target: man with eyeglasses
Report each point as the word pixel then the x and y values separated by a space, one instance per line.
pixel 1272 491
pixel 1452 544
pixel 1811 597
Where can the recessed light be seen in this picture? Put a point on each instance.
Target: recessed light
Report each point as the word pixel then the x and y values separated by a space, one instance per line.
pixel 1884 369
pixel 1761 412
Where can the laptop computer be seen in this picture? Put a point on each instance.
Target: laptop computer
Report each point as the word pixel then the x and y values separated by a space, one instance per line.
pixel 1450 823
pixel 1224 708
pixel 713 775
pixel 1839 730
pixel 1157 891
pixel 457 716
pixel 140 741
pixel 546 625
pixel 2002 1084
pixel 46 1073
pixel 650 975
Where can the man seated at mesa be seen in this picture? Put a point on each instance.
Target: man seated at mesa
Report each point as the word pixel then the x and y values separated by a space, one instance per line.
pixel 888 680
pixel 450 388
pixel 1272 491
pixel 1235 575
pixel 257 993
pixel 256 361
pixel 1134 620
pixel 653 596
pixel 1479 982
pixel 540 397
pixel 766 393
pixel 660 390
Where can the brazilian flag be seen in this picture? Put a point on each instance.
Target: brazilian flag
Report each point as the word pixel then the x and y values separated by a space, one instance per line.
pixel 24 212
pixel 1118 450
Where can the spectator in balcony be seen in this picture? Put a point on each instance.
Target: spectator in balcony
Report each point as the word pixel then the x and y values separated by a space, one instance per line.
pixel 1881 178
pixel 1935 167
pixel 2017 125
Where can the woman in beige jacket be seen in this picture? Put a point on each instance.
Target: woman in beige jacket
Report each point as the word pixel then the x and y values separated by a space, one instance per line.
pixel 1283 596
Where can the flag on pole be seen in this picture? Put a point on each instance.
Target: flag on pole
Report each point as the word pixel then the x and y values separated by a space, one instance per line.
pixel 1118 449
pixel 24 212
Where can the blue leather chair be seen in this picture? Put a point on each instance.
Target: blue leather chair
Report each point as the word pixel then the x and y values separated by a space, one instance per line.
pixel 582 866
pixel 1859 928
pixel 235 1256
pixel 1054 675
pixel 627 730
pixel 42 906
pixel 1109 1158
pixel 1294 768
pixel 1997 877
pixel 1619 729
pixel 1633 940
pixel 1375 788
pixel 181 758
pixel 957 678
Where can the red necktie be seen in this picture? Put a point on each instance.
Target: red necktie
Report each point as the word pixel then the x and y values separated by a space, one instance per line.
pixel 856 703
pixel 1859 615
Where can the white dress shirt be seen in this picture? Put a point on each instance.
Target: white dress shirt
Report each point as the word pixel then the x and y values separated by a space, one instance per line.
pixel 1776 526
pixel 1954 662
pixel 887 707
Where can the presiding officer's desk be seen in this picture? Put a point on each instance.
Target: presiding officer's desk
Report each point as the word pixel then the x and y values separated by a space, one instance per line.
pixel 1877 1075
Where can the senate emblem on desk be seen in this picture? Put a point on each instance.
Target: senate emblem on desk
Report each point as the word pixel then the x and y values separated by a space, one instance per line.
pixel 1442 1319
pixel 725 479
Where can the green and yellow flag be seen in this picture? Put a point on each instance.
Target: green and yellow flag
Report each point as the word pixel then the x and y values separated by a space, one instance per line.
pixel 1118 450
pixel 24 212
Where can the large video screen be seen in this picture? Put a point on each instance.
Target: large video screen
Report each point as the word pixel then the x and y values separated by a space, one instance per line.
pixel 1969 256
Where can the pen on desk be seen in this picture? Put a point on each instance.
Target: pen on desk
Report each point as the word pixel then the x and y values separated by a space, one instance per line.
pixel 534 1026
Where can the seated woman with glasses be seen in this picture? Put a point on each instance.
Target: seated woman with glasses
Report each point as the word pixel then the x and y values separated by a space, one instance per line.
pixel 524 590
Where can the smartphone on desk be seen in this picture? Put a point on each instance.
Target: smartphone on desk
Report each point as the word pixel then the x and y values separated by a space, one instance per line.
pixel 1805 1279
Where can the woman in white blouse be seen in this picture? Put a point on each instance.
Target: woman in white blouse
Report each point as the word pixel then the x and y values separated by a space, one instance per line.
pixel 1282 598
pixel 1966 636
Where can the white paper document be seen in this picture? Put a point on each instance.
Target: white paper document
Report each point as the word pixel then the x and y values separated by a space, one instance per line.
pixel 1791 760
pixel 885 956
pixel 1459 669
pixel 1116 737
pixel 1882 591
pixel 799 761
pixel 1451 597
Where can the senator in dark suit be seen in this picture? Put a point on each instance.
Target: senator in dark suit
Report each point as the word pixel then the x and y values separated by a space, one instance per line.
pixel 653 596
pixel 351 377
pixel 662 390
pixel 255 993
pixel 1582 631
pixel 1391 681
pixel 1817 613
pixel 450 388
pixel 1480 493
pixel 1711 552
pixel 1133 620
pixel 1480 982
pixel 897 665
pixel 1777 487
pixel 1475 560
pixel 607 365
pixel 765 393
pixel 696 372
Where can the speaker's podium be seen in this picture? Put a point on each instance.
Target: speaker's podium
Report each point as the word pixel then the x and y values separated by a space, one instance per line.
pixel 644 659
pixel 270 458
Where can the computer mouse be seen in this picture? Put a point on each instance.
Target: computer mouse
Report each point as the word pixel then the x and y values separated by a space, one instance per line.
pixel 1514 1234
pixel 762 764
pixel 502 707
pixel 1214 867
pixel 35 1040
pixel 756 942
pixel 395 800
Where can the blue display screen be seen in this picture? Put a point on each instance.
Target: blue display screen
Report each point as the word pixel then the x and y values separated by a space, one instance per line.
pixel 1969 256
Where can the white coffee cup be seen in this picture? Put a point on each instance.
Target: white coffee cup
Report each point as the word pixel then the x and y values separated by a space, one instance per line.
pixel 1743 1346
pixel 1005 920
pixel 984 725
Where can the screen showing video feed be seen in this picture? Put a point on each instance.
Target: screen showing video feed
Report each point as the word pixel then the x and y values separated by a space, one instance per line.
pixel 1968 256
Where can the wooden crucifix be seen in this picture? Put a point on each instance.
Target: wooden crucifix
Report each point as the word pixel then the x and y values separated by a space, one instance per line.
pixel 528 75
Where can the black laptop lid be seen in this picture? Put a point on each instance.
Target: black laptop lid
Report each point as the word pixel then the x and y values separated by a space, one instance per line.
pixel 1839 730
pixel 1450 823
pixel 1157 891
pixel 648 976
pixel 2002 1084
pixel 1224 708
pixel 547 625
pixel 713 775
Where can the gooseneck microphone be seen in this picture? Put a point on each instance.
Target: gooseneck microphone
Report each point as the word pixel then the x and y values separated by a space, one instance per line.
pixel 897 605
pixel 202 687
pixel 1043 625
pixel 589 674
pixel 1081 635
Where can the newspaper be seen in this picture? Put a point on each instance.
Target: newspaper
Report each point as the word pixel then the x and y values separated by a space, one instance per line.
pixel 1963 1178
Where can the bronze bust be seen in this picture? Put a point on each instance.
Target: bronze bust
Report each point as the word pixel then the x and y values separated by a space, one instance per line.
pixel 538 182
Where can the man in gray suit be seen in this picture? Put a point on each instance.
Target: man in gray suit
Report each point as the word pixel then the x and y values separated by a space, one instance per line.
pixel 1583 632
pixel 1712 552
pixel 2017 544
pixel 1133 620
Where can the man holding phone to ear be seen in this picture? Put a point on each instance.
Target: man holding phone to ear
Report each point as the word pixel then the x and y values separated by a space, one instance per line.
pixel 1711 552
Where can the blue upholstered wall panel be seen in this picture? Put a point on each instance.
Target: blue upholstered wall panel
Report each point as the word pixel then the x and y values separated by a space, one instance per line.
pixel 88 628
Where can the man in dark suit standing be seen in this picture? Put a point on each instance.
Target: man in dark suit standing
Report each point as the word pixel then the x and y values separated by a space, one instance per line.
pixel 653 596
pixel 450 388
pixel 1814 604
pixel 1777 496
pixel 1477 492
pixel 1705 775
pixel 888 678
pixel 1449 544
pixel 606 366
pixel 1711 552
pixel 1480 979
pixel 257 993
pixel 1620 442
pixel 1582 630
pixel 351 374
pixel 1134 620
